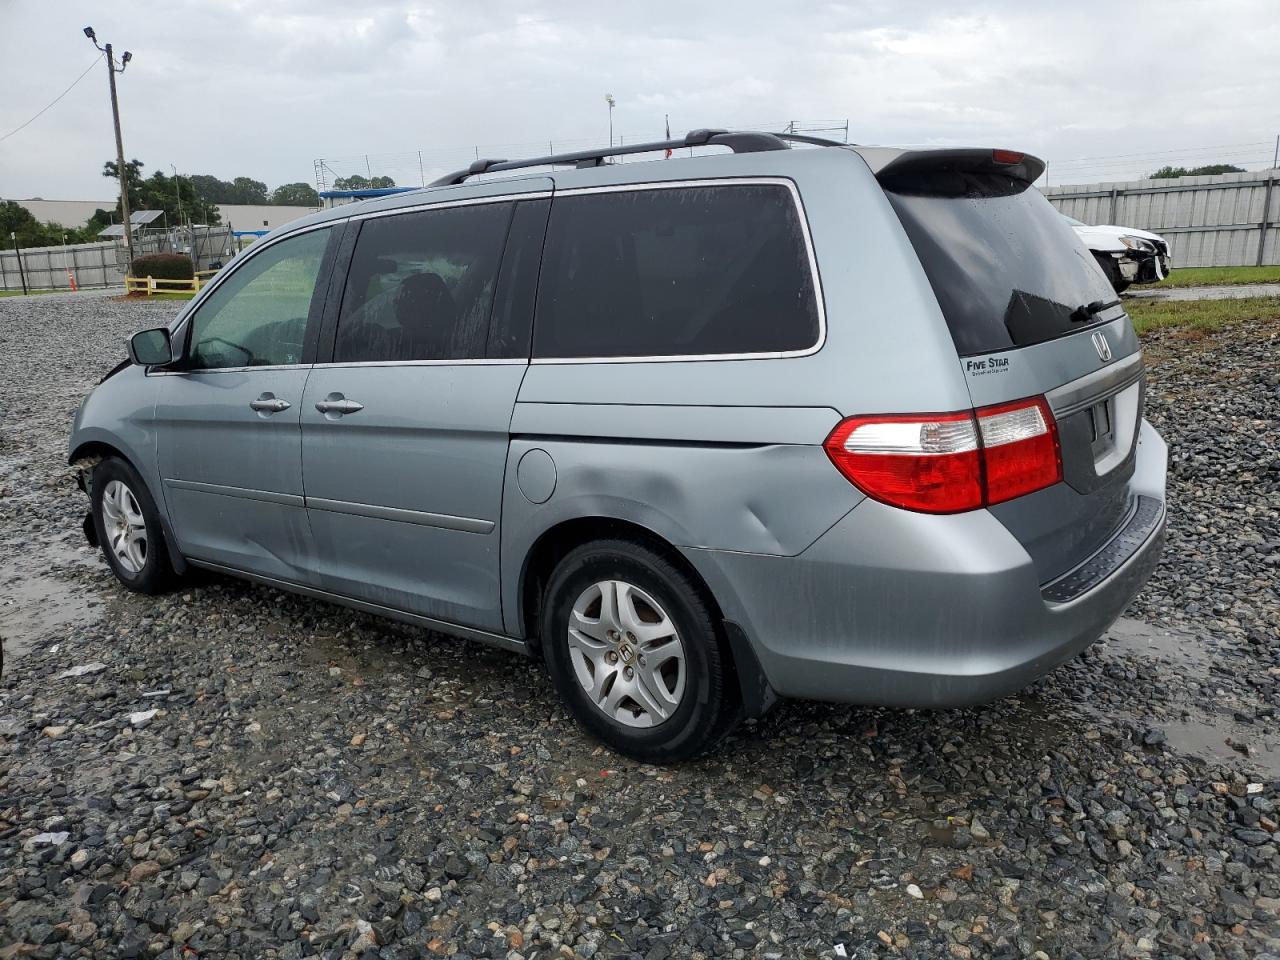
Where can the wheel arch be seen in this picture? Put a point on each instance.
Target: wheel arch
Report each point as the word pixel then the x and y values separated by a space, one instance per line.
pixel 88 453
pixel 557 541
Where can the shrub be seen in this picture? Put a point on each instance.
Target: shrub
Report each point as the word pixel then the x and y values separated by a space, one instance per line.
pixel 163 266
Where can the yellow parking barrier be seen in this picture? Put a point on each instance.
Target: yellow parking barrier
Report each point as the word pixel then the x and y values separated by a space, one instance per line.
pixel 150 285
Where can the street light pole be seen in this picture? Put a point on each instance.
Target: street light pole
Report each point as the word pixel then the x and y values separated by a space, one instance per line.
pixel 115 117
pixel 608 98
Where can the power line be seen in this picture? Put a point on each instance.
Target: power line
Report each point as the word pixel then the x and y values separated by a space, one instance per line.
pixel 1158 153
pixel 55 99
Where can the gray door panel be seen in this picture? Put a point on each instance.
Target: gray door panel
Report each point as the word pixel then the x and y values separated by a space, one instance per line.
pixel 404 495
pixel 232 474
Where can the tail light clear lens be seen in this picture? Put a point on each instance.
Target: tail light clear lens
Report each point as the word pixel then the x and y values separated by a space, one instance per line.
pixel 926 462
pixel 950 462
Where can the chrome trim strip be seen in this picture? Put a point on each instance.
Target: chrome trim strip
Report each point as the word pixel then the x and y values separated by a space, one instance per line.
pixel 445 204
pixel 244 493
pixel 498 640
pixel 442 520
pixel 468 362
pixel 203 370
pixel 714 182
pixel 1087 390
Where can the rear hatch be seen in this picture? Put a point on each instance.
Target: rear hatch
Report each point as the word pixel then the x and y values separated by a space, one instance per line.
pixel 1031 314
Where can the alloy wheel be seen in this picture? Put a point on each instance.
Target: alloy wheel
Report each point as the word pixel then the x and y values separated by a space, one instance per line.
pixel 627 654
pixel 125 527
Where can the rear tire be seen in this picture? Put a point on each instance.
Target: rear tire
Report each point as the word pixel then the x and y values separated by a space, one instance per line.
pixel 635 652
pixel 129 529
pixel 1108 265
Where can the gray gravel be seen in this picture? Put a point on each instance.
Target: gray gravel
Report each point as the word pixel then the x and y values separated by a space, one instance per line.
pixel 234 772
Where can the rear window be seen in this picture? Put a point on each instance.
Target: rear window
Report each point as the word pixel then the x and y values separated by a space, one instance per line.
pixel 1007 269
pixel 677 271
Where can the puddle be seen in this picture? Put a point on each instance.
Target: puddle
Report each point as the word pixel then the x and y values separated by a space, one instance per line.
pixel 1134 636
pixel 1208 739
pixel 34 607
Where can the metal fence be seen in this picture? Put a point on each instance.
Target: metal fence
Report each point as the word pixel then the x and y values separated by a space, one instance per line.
pixel 46 268
pixel 103 264
pixel 1227 220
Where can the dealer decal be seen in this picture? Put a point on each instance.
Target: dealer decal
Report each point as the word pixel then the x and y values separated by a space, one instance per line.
pixel 984 366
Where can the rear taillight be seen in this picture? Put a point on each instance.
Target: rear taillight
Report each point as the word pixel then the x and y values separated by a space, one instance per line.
pixel 950 462
pixel 1020 451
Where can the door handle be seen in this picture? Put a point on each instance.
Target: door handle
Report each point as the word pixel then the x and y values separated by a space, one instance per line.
pixel 269 403
pixel 335 405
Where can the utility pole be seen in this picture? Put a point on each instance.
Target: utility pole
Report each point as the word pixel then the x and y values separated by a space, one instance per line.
pixel 608 98
pixel 115 116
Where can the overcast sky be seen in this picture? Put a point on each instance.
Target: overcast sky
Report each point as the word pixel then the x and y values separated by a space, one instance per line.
pixel 264 88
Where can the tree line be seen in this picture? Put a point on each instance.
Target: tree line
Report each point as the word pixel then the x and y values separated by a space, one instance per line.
pixel 186 198
pixel 1168 173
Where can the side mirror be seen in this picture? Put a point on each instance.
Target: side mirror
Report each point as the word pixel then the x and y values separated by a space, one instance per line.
pixel 151 348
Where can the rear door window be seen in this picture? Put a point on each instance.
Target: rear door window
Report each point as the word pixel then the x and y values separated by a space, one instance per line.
pixel 676 272
pixel 420 285
pixel 1006 267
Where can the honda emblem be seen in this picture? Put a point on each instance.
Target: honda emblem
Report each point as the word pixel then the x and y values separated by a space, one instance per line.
pixel 1100 344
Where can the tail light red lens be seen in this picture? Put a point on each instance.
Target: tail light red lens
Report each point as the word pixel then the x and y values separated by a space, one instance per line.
pixel 950 462
pixel 1020 449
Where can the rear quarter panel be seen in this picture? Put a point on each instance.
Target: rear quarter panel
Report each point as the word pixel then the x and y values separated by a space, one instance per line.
pixel 742 479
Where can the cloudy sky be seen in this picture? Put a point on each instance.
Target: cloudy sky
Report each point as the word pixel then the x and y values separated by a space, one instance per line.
pixel 264 88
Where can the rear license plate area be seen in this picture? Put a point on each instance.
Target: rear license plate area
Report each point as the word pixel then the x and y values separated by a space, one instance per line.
pixel 1102 427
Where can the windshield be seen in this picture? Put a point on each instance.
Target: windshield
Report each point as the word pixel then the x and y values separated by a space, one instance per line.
pixel 1005 267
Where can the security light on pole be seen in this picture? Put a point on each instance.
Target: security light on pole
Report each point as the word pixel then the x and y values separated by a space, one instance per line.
pixel 112 70
pixel 608 98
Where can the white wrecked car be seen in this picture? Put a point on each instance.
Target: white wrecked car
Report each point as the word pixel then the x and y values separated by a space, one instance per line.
pixel 1127 255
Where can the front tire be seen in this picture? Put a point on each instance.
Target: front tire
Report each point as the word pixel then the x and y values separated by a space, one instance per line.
pixel 129 529
pixel 634 650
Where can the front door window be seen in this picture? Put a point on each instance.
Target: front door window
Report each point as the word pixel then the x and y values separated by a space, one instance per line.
pixel 258 316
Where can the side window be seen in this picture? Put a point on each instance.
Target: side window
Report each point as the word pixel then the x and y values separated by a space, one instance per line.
pixel 420 285
pixel 681 271
pixel 258 315
pixel 512 326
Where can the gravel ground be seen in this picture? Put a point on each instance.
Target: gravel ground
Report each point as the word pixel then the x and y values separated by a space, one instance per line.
pixel 318 782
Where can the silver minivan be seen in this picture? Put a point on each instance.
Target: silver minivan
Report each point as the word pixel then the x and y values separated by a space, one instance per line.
pixel 785 418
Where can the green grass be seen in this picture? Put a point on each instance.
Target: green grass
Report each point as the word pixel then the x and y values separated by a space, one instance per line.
pixel 1219 276
pixel 1205 315
pixel 19 293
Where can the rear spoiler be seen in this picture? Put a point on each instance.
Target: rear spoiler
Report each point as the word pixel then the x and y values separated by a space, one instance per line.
pixel 895 161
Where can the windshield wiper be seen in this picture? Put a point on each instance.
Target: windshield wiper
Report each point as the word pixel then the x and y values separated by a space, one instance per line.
pixel 1086 312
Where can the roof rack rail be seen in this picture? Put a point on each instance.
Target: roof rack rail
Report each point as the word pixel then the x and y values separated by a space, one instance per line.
pixel 815 141
pixel 738 142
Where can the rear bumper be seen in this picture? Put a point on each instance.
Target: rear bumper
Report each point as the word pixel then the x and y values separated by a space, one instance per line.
pixel 902 609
